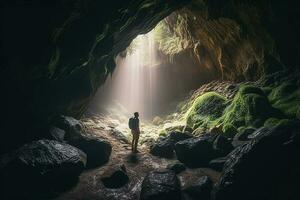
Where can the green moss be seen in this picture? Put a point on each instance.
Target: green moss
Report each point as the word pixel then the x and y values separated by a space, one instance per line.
pixel 250 107
pixel 271 122
pixel 206 110
pixel 286 98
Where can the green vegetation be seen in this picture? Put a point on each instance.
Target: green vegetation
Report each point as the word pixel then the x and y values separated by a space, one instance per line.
pixel 249 108
pixel 206 110
pixel 286 98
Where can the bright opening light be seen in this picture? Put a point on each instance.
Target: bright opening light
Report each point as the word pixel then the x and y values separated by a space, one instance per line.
pixel 134 83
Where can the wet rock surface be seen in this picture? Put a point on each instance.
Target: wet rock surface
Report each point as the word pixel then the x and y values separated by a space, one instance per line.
pixel 242 137
pixel 201 189
pixel 46 166
pixel 117 179
pixel 177 167
pixel 218 163
pixel 164 147
pixel 196 152
pixel 90 185
pixel 267 162
pixel 97 149
pixel 161 185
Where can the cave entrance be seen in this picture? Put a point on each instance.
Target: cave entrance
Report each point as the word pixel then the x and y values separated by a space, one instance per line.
pixel 153 74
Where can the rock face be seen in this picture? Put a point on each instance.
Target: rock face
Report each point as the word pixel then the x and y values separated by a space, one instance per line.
pixel 199 190
pixel 196 152
pixel 265 168
pixel 161 185
pixel 45 166
pixel 164 147
pixel 97 150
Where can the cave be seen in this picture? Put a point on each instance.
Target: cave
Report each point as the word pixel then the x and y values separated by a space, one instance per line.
pixel 208 90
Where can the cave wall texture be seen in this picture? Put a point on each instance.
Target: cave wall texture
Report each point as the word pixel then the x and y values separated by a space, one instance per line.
pixel 56 53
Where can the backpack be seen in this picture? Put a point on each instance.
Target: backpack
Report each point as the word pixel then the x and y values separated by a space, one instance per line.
pixel 131 123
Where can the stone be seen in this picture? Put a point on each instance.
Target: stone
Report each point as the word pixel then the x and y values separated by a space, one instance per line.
pixel 201 189
pixel 218 163
pixel 97 150
pixel 196 152
pixel 222 144
pixel 179 136
pixel 47 166
pixel 164 147
pixel 57 134
pixel 161 185
pixel 71 125
pixel 242 137
pixel 177 167
pixel 267 167
pixel 117 179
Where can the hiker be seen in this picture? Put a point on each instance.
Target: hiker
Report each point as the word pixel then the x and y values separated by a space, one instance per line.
pixel 134 125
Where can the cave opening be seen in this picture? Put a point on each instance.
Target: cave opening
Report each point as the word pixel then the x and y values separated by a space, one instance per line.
pixel 216 84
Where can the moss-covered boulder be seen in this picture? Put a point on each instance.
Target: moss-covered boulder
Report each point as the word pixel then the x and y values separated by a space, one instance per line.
pixel 250 107
pixel 205 110
pixel 286 98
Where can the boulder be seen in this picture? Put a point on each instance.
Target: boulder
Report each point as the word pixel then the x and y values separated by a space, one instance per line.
pixel 161 185
pixel 218 163
pixel 46 166
pixel 164 147
pixel 56 134
pixel 196 152
pixel 179 136
pixel 242 137
pixel 71 125
pixel 177 167
pixel 116 179
pixel 223 145
pixel 267 167
pixel 201 189
pixel 97 150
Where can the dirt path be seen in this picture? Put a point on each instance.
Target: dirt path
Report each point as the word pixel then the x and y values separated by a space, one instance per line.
pixel 90 186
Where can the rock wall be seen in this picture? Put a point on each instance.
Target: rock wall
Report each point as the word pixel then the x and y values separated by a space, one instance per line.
pixel 235 40
pixel 56 53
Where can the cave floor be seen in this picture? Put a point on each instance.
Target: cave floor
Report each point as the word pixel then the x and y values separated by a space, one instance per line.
pixel 137 166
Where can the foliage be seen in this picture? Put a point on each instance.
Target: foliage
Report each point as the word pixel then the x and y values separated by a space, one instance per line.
pixel 172 39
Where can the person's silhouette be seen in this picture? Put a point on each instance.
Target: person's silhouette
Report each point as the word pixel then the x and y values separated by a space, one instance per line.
pixel 134 125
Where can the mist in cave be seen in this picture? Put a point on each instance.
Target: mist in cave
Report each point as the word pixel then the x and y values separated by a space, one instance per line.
pixel 133 85
pixel 216 85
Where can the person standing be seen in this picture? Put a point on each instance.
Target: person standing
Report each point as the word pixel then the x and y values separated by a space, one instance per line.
pixel 134 125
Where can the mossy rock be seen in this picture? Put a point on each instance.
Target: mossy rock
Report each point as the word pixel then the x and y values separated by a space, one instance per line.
pixel 250 107
pixel 271 122
pixel 286 98
pixel 205 110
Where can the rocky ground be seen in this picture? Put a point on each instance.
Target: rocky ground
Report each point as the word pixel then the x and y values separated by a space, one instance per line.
pixel 90 185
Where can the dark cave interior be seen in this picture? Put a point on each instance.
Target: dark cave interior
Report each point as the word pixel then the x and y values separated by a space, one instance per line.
pixel 216 83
